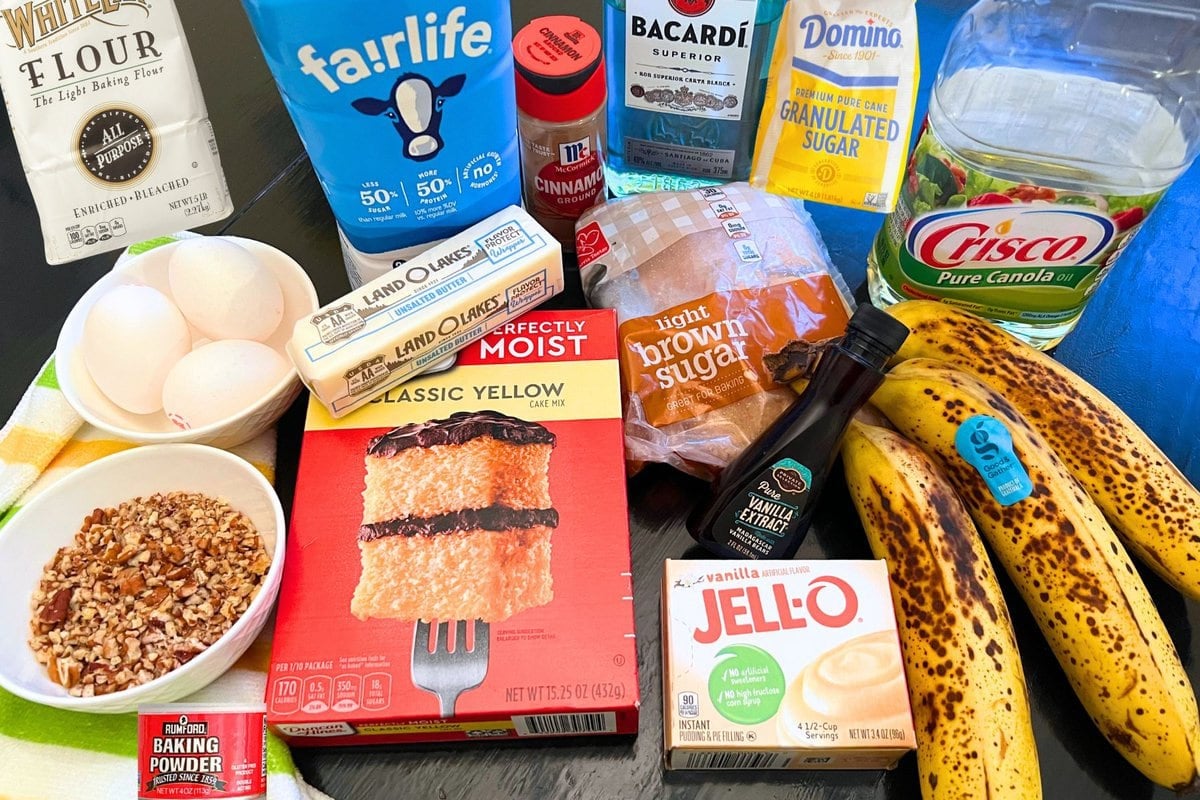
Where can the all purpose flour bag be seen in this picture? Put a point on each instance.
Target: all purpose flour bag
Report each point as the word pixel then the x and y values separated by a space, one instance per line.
pixel 109 121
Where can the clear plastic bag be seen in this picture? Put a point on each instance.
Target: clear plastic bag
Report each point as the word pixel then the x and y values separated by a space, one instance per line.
pixel 705 284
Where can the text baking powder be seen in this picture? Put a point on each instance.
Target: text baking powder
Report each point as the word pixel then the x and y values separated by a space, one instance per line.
pixel 209 751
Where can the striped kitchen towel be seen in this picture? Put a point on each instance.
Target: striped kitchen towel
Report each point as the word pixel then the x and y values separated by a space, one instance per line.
pixel 49 754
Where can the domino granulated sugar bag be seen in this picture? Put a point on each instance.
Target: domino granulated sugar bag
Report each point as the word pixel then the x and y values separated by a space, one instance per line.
pixel 839 104
pixel 110 123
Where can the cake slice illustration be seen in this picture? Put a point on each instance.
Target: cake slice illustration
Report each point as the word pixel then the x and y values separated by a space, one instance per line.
pixel 457 519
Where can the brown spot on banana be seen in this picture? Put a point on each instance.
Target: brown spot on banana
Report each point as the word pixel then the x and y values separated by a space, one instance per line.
pixel 964 673
pixel 1150 503
pixel 1069 567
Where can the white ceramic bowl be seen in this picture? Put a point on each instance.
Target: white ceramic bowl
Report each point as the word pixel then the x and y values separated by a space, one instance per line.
pixel 31 539
pixel 150 269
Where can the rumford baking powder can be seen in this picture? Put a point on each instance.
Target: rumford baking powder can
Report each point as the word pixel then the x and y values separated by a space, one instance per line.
pixel 210 751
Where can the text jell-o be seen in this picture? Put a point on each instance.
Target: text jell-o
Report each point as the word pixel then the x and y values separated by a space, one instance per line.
pixel 782 665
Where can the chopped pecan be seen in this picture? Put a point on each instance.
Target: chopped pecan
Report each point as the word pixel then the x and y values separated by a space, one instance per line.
pixel 144 588
pixel 130 581
pixel 55 611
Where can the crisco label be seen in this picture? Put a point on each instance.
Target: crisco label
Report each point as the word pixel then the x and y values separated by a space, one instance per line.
pixel 1015 243
pixel 1012 251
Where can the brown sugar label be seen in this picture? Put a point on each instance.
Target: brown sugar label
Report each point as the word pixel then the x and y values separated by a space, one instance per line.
pixel 707 353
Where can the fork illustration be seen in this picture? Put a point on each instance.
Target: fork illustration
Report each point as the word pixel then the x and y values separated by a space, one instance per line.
pixel 444 672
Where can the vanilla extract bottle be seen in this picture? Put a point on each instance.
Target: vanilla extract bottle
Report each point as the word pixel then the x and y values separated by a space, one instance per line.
pixel 762 504
pixel 686 82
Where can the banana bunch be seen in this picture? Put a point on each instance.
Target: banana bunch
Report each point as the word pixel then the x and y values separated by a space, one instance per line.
pixel 1022 478
pixel 965 680
pixel 1145 497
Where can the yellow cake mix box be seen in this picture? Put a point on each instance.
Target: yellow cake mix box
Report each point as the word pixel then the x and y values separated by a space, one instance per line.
pixel 782 665
pixel 458 562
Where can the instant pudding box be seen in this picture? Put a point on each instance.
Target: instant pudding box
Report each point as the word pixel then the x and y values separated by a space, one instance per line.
pixel 458 558
pixel 782 665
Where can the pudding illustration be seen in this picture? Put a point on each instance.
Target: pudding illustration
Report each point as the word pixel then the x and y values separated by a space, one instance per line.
pixel 861 679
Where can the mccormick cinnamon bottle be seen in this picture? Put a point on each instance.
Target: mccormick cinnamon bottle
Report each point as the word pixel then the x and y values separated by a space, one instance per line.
pixel 560 116
pixel 761 505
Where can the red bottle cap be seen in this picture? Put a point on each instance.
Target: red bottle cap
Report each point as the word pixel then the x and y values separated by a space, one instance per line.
pixel 560 69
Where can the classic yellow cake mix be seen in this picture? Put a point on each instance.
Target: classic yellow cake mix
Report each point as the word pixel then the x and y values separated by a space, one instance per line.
pixel 458 558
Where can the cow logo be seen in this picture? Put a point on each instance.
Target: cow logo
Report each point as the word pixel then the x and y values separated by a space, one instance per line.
pixel 115 145
pixel 338 322
pixel 692 8
pixel 415 109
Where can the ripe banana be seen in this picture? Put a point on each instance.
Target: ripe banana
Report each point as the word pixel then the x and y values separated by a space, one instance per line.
pixel 1146 498
pixel 964 672
pixel 1067 563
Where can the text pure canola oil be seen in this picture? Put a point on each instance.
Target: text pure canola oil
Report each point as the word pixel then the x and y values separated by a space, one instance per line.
pixel 1053 130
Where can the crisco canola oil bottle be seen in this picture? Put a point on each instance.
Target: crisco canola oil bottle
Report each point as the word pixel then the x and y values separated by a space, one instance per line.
pixel 1053 131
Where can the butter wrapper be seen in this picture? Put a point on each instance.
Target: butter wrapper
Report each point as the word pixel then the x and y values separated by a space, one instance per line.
pixel 402 323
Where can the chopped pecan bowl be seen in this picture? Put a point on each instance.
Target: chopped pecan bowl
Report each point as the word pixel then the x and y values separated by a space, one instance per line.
pixel 143 589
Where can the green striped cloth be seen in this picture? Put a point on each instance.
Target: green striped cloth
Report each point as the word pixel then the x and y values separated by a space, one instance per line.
pixel 49 754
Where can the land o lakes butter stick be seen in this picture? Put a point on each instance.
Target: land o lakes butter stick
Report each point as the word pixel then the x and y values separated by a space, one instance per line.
pixel 402 323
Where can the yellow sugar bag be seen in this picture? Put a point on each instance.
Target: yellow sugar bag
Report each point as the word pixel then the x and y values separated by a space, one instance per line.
pixel 838 113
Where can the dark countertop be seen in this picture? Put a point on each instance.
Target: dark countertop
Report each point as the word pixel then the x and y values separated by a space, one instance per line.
pixel 1139 341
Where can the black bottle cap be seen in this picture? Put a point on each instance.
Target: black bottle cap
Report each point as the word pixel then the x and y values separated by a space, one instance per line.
pixel 879 325
pixel 874 334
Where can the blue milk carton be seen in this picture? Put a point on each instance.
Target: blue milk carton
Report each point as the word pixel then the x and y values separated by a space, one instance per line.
pixel 407 110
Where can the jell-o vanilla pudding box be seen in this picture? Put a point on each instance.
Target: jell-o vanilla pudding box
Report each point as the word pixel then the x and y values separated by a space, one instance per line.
pixel 782 665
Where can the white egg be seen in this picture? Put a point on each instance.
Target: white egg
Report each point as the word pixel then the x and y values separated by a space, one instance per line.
pixel 132 337
pixel 224 290
pixel 220 379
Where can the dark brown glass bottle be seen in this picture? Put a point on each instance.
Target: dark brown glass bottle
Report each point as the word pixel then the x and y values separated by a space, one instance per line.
pixel 763 502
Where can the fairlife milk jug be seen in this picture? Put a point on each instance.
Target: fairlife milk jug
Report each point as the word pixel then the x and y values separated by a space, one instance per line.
pixel 408 111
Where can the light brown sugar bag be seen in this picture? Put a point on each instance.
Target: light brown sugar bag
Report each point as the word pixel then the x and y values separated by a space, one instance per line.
pixel 705 284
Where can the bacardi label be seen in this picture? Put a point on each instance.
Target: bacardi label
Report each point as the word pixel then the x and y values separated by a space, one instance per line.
pixel 688 57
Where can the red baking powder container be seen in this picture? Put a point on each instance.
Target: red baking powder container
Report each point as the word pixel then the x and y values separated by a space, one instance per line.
pixel 189 750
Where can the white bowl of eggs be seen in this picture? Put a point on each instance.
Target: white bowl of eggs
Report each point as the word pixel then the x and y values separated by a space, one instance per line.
pixel 185 342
